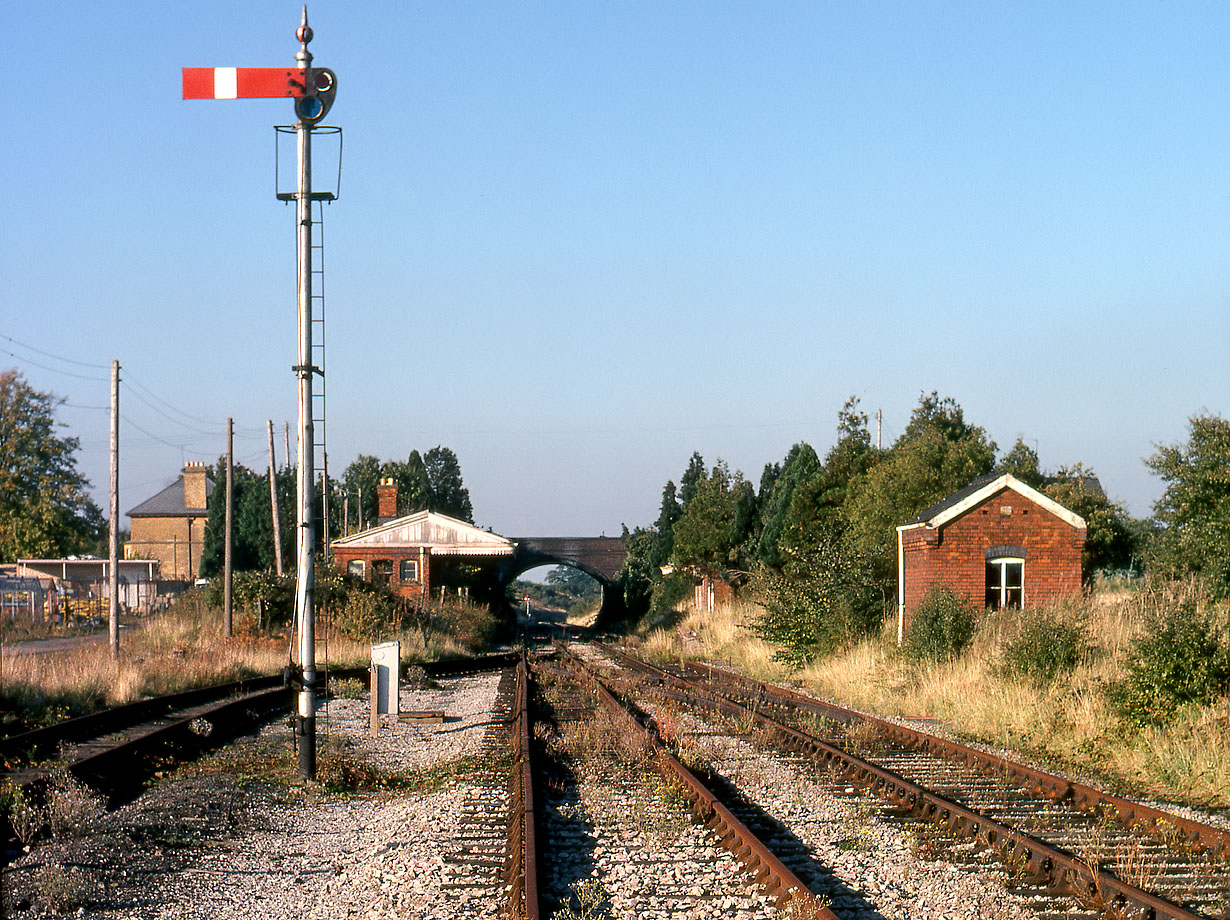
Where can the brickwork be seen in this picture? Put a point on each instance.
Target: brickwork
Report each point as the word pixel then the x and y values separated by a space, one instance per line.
pixel 955 553
pixel 194 485
pixel 176 542
pixel 386 500
pixel 395 556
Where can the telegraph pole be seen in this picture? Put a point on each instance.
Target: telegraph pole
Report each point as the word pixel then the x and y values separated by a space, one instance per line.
pixel 273 501
pixel 228 544
pixel 113 589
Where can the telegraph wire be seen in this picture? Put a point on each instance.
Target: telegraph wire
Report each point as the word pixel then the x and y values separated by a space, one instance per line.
pixel 48 354
pixel 128 378
pixel 171 418
pixel 54 370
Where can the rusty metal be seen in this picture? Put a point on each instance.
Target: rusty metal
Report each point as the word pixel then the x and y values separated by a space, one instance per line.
pixel 522 868
pixel 1160 824
pixel 1034 858
pixel 767 869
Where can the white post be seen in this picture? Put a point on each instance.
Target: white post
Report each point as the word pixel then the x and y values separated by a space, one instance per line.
pixel 114 541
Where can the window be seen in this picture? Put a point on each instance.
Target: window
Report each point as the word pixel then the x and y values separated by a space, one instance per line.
pixel 355 567
pixel 382 571
pixel 1005 582
pixel 409 572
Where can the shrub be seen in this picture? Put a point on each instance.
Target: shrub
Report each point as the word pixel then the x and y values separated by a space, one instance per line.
pixel 942 626
pixel 63 888
pixel 365 616
pixel 73 809
pixel 1183 656
pixel 1044 643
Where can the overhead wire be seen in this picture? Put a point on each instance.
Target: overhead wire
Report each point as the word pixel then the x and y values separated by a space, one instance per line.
pixel 49 354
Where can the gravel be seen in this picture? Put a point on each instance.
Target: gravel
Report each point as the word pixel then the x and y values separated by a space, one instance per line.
pixel 210 843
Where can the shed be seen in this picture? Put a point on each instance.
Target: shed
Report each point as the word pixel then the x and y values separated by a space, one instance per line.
pixel 996 543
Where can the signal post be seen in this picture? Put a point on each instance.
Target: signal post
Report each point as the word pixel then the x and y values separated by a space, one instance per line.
pixel 313 90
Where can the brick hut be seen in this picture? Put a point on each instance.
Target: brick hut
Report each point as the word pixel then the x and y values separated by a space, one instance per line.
pixel 997 543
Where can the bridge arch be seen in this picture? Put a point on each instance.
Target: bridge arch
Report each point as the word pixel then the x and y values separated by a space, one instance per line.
pixel 601 558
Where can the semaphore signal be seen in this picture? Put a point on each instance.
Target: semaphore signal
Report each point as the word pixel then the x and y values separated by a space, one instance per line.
pixel 313 90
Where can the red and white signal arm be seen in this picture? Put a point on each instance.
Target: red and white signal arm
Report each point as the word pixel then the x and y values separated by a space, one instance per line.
pixel 242 82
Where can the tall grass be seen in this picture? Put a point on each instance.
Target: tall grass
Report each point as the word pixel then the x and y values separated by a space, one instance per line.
pixel 1066 718
pixel 178 649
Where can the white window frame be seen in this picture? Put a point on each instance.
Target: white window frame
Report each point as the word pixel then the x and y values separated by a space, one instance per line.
pixel 1002 562
pixel 401 571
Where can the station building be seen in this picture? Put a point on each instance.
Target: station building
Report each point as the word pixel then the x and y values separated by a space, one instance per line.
pixel 996 543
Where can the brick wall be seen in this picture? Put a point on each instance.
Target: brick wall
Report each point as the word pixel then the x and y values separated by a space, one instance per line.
pixel 955 554
pixel 176 542
pixel 342 557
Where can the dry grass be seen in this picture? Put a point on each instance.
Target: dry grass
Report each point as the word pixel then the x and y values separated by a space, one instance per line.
pixel 178 649
pixel 721 637
pixel 1069 721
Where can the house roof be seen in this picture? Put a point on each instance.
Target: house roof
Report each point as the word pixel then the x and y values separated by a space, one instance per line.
pixel 447 536
pixel 170 502
pixel 979 491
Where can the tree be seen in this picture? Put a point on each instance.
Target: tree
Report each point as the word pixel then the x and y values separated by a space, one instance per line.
pixel 704 532
pixel 359 480
pixel 448 494
pixel 936 455
pixel 1109 543
pixel 252 538
pixel 691 478
pixel 1194 510
pixel 413 484
pixel 1022 462
pixel 800 465
pixel 45 510
pixel 664 529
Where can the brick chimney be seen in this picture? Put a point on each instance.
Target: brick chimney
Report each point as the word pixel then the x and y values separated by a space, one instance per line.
pixel 194 486
pixel 386 501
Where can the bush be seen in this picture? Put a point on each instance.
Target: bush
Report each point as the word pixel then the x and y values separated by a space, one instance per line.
pixel 364 616
pixel 942 626
pixel 1044 644
pixel 1183 656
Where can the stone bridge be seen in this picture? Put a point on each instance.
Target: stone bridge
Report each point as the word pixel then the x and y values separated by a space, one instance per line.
pixel 601 558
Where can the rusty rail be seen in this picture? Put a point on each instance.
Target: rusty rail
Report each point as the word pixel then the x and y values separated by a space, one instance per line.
pixel 522 865
pixel 1038 860
pixel 1132 815
pixel 767 869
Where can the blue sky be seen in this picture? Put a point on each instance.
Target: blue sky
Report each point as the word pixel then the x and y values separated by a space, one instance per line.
pixel 577 241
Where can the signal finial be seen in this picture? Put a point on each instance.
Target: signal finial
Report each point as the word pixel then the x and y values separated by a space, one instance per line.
pixel 304 32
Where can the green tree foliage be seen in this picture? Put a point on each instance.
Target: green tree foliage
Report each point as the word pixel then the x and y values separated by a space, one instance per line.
pixel 691 478
pixel 937 454
pixel 429 481
pixel 706 536
pixel 45 510
pixel 800 465
pixel 1109 541
pixel 1022 462
pixel 815 508
pixel 252 536
pixel 448 493
pixel 826 602
pixel 664 528
pixel 1194 510
pixel 638 573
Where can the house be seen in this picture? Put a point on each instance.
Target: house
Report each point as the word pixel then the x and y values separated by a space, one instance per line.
pixel 418 553
pixel 997 542
pixel 170 526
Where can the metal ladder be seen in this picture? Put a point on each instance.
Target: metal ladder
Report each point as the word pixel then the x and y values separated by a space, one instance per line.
pixel 320 455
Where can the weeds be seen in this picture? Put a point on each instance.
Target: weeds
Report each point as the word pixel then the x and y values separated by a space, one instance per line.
pixel 61 888
pixel 587 900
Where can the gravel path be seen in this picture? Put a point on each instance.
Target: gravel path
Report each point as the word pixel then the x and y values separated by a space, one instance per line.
pixel 210 842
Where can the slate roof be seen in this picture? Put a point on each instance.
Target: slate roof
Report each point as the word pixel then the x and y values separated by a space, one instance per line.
pixel 954 499
pixel 170 502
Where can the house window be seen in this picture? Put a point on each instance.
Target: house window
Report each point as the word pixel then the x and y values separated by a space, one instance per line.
pixel 409 572
pixel 382 571
pixel 1005 582
pixel 355 567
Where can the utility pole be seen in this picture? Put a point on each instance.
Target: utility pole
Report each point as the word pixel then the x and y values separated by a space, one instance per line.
pixel 230 529
pixel 113 559
pixel 286 434
pixel 273 501
pixel 360 488
pixel 879 425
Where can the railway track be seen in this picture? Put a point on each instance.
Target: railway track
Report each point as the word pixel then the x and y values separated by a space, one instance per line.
pixel 1104 851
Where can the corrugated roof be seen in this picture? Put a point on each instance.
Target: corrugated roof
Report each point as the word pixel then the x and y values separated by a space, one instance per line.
pixel 170 502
